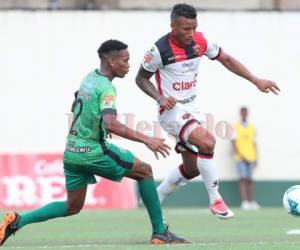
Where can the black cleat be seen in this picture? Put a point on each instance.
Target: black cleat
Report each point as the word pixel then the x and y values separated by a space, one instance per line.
pixel 8 226
pixel 167 238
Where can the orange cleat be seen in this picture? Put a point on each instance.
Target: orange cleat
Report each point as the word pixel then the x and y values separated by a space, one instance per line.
pixel 8 226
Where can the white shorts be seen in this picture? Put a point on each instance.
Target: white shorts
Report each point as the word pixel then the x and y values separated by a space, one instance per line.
pixel 180 122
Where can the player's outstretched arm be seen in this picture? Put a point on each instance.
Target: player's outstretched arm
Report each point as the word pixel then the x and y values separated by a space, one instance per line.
pixel 143 82
pixel 157 145
pixel 238 68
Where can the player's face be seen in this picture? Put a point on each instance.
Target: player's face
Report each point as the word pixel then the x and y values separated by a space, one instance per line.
pixel 121 63
pixel 183 30
pixel 244 114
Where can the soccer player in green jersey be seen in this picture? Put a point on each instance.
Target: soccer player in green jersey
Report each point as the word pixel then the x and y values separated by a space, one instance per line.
pixel 88 153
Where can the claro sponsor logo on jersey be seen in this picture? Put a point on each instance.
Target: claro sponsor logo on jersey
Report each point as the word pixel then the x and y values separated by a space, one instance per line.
pixel 183 86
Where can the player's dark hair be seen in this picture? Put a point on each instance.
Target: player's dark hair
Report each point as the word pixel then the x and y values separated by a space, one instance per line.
pixel 243 108
pixel 183 9
pixel 109 46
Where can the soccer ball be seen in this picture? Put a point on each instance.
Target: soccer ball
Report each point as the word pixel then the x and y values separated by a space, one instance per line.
pixel 291 200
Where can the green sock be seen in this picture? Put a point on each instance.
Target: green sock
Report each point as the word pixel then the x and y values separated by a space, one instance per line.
pixel 148 193
pixel 50 211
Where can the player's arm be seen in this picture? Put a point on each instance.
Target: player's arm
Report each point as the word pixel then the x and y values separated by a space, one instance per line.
pixel 238 68
pixel 143 82
pixel 255 149
pixel 151 63
pixel 112 125
pixel 236 150
pixel 256 161
pixel 234 145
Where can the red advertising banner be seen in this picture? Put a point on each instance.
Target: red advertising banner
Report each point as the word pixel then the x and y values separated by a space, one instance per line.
pixel 29 181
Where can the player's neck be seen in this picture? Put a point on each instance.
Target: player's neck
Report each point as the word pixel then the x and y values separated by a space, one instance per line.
pixel 105 72
pixel 244 121
pixel 176 41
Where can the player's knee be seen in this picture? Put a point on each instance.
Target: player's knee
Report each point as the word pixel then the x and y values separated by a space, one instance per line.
pixel 74 209
pixel 208 145
pixel 147 171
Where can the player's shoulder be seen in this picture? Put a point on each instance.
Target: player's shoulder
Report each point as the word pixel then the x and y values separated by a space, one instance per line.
pixel 252 126
pixel 163 39
pixel 200 39
pixel 162 44
pixel 199 35
pixel 236 124
pixel 94 81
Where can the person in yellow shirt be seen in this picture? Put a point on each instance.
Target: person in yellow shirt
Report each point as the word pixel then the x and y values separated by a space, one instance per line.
pixel 245 150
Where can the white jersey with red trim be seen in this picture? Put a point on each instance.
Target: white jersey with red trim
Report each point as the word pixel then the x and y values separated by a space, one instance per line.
pixel 176 68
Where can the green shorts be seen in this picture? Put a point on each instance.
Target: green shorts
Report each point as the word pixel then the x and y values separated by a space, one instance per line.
pixel 114 163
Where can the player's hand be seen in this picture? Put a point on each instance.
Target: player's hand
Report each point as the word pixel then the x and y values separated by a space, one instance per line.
pixel 158 146
pixel 167 102
pixel 266 86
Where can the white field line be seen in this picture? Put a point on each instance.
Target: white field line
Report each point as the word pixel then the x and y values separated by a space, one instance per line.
pixel 293 232
pixel 172 245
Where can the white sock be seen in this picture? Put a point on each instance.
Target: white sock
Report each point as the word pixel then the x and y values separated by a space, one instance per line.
pixel 171 183
pixel 209 174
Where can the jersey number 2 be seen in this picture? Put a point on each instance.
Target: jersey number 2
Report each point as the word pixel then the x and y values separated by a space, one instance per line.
pixel 78 102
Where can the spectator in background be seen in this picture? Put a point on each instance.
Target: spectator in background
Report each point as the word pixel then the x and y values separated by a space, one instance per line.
pixel 244 144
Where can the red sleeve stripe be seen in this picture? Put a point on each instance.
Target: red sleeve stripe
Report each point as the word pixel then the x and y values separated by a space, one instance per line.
pixel 158 81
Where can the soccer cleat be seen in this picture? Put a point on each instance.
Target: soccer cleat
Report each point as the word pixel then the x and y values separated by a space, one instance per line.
pixel 254 205
pixel 246 205
pixel 167 238
pixel 220 209
pixel 8 226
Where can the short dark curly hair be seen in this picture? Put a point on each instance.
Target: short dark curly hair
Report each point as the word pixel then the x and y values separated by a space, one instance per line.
pixel 183 9
pixel 109 46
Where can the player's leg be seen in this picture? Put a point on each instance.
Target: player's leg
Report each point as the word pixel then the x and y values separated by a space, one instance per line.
pixel 172 121
pixel 142 173
pixel 205 142
pixel 13 221
pixel 117 163
pixel 242 184
pixel 179 176
pixel 250 188
pixel 76 185
pixel 73 205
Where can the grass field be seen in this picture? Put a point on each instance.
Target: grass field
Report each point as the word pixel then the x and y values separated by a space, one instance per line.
pixel 264 229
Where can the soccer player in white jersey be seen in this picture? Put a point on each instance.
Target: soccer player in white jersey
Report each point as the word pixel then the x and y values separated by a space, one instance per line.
pixel 174 59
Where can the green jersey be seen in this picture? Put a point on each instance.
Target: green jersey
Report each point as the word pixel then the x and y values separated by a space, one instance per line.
pixel 96 97
pixel 88 153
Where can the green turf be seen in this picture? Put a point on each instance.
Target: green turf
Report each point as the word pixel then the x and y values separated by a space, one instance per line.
pixel 264 229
